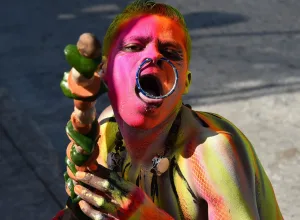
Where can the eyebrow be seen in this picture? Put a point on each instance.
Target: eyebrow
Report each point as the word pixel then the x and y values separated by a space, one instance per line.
pixel 171 43
pixel 138 38
pixel 146 39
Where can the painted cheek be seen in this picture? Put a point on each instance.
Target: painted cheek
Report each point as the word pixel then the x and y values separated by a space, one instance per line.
pixel 122 83
pixel 124 73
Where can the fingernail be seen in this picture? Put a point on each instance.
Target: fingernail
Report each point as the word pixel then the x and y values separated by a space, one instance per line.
pixel 82 205
pixel 80 175
pixel 77 188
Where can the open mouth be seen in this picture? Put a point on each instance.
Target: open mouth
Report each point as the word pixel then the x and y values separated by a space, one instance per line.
pixel 152 86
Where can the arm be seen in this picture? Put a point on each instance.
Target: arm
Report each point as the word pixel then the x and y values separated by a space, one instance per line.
pixel 229 177
pixel 110 193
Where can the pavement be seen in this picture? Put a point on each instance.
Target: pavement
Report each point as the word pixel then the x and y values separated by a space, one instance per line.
pixel 245 66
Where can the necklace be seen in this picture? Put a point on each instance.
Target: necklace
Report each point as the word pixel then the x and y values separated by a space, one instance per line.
pixel 160 163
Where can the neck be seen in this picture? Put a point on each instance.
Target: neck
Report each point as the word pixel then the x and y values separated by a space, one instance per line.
pixel 143 144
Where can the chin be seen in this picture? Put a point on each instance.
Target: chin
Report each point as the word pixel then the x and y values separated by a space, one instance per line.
pixel 145 120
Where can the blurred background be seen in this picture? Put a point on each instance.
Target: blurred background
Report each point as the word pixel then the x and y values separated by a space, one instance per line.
pixel 245 65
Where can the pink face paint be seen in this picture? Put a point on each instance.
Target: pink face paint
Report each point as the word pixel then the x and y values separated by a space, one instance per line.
pixel 147 36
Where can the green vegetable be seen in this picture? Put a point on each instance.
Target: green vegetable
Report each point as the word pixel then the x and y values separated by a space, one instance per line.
pixel 83 65
pixel 65 88
pixel 75 198
pixel 71 165
pixel 88 141
pixel 78 158
pixel 66 176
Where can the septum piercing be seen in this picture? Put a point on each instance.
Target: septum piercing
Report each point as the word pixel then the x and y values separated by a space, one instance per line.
pixel 138 74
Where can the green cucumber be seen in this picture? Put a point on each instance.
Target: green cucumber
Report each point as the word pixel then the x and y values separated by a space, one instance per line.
pixel 85 66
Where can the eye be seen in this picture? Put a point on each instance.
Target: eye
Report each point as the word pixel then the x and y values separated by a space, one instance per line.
pixel 171 54
pixel 132 47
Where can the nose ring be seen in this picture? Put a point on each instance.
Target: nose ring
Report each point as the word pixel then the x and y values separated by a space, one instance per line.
pixel 138 74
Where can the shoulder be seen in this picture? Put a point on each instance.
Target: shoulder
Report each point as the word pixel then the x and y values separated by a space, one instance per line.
pixel 216 122
pixel 107 122
pixel 224 131
pixel 222 152
pixel 222 140
pixel 108 129
pixel 210 132
pixel 217 162
pixel 106 114
pixel 224 164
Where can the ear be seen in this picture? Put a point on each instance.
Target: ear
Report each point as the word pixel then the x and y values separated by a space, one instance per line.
pixel 188 81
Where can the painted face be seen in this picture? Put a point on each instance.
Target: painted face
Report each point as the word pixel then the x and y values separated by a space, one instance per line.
pixel 148 36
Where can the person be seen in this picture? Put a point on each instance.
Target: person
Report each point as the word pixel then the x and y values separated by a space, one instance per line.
pixel 177 163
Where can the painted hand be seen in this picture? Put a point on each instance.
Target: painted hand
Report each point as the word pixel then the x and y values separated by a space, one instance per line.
pixel 105 195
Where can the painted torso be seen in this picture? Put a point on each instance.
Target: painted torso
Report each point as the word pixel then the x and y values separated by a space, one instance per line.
pixel 175 190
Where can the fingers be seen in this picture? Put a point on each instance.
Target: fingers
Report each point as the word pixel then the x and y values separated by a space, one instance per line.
pixel 94 181
pixel 92 213
pixel 108 182
pixel 114 179
pixel 113 190
pixel 95 200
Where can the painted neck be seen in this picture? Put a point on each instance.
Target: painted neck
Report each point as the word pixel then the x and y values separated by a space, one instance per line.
pixel 143 144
